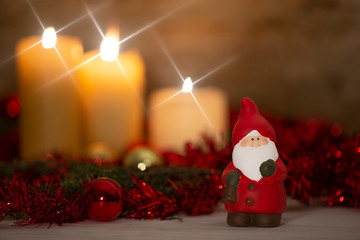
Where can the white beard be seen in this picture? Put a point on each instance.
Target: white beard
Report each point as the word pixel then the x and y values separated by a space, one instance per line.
pixel 249 159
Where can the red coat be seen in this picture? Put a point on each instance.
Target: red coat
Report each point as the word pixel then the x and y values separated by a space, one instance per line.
pixel 265 196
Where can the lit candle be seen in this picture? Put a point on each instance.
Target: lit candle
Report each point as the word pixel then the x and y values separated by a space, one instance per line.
pixel 112 87
pixel 177 120
pixel 49 112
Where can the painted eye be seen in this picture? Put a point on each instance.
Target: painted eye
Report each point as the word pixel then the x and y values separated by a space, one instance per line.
pixel 252 139
pixel 258 138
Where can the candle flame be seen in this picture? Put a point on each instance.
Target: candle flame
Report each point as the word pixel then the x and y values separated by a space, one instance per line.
pixel 109 48
pixel 49 38
pixel 188 85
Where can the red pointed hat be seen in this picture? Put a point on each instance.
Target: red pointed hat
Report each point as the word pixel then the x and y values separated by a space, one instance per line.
pixel 250 119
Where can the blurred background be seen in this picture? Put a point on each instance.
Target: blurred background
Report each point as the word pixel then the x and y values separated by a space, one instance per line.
pixel 297 58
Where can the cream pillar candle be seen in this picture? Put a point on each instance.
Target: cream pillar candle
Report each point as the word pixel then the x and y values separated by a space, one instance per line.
pixel 49 110
pixel 179 120
pixel 113 108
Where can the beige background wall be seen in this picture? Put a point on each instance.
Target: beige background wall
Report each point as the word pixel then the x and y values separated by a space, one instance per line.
pixel 295 57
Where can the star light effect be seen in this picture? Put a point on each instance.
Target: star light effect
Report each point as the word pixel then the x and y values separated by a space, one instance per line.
pixel 198 80
pixel 109 48
pixel 35 13
pixel 50 33
pixel 69 71
pixel 49 41
pixel 153 23
pixel 187 86
pixel 227 62
pixel 109 51
pixel 187 83
pixel 48 83
pixel 49 38
pixel 162 45
pixel 110 42
pixel 59 30
pixel 18 54
pixel 90 14
pixel 85 15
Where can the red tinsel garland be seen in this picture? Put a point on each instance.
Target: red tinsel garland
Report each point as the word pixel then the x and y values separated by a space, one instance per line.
pixel 321 161
pixel 322 164
pixel 143 202
pixel 204 155
pixel 29 204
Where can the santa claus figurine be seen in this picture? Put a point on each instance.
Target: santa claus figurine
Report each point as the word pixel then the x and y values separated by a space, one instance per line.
pixel 254 193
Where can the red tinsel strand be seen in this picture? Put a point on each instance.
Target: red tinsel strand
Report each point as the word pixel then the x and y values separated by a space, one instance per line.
pixel 143 202
pixel 202 199
pixel 321 161
pixel 345 187
pixel 30 204
pixel 204 155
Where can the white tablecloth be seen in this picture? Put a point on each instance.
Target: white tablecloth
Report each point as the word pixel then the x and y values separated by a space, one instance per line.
pixel 299 222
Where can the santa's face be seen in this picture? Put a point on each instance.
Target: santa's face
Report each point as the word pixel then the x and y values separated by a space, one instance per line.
pixel 254 141
pixel 251 152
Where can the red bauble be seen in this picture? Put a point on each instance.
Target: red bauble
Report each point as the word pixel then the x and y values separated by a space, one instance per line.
pixel 104 199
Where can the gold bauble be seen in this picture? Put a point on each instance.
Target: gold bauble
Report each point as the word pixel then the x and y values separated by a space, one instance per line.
pixel 142 158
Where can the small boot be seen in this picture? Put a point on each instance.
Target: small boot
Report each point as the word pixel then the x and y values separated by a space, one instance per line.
pixel 237 219
pixel 267 220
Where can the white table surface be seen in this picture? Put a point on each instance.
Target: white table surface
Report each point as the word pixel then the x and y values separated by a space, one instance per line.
pixel 299 222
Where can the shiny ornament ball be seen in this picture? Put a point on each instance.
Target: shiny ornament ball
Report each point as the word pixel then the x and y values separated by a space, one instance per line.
pixel 142 158
pixel 104 199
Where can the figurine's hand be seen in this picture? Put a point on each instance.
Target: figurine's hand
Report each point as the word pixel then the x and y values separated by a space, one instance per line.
pixel 268 168
pixel 230 194
pixel 233 178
